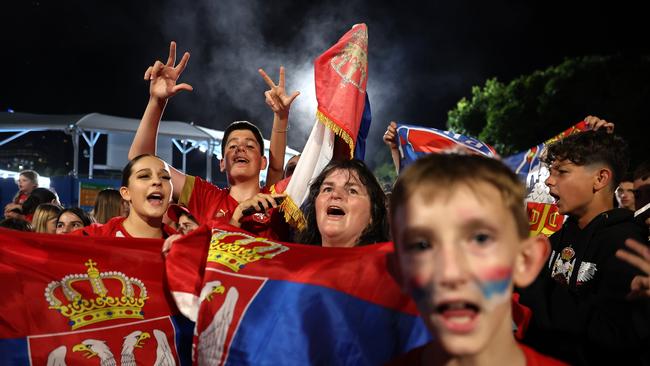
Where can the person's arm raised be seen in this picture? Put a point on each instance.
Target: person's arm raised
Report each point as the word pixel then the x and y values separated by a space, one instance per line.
pixel 390 139
pixel 280 103
pixel 162 86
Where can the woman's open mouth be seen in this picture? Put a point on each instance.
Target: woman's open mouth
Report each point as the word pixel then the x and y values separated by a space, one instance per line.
pixel 335 211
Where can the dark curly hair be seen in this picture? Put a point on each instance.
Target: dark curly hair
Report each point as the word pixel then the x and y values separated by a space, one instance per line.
pixel 592 147
pixel 375 232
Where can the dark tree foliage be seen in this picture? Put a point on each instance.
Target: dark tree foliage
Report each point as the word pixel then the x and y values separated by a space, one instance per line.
pixel 532 108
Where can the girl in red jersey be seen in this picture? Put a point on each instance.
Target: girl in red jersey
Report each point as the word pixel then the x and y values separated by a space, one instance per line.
pixel 146 185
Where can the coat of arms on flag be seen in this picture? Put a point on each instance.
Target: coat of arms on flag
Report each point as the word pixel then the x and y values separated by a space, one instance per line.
pixel 341 77
pixel 87 301
pixel 543 215
pixel 261 302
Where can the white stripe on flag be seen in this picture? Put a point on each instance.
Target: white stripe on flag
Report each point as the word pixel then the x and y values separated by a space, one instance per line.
pixel 317 153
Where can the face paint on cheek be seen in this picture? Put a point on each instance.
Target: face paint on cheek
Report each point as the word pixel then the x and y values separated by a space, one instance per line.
pixel 495 282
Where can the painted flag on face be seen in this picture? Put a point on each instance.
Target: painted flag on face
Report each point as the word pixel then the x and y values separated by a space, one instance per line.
pixel 263 302
pixel 87 301
pixel 543 215
pixel 415 141
pixel 341 76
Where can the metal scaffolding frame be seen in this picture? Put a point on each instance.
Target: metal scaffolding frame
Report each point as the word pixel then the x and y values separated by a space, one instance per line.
pixel 185 136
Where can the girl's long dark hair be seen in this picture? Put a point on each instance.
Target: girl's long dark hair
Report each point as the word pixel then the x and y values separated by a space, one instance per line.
pixel 81 214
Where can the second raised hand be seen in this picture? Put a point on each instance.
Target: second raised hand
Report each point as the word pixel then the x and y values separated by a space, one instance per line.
pixel 277 98
pixel 163 77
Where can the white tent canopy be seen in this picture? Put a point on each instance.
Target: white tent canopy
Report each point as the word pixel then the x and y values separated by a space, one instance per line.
pixel 185 136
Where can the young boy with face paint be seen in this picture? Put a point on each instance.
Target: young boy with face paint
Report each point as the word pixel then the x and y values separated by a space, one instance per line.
pixel 461 237
pixel 580 313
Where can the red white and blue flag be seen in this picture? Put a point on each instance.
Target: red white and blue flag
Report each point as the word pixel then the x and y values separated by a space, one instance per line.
pixel 262 302
pixel 341 77
pixel 543 215
pixel 415 141
pixel 87 301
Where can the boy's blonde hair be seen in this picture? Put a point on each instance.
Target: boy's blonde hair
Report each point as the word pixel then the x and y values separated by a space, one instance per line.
pixel 437 174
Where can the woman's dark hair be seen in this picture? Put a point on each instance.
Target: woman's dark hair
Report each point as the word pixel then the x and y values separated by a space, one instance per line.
pixel 126 172
pixel 38 196
pixel 81 214
pixel 16 224
pixel 375 232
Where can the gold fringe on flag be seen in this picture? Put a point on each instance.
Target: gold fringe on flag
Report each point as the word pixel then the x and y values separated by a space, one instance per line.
pixel 292 214
pixel 337 130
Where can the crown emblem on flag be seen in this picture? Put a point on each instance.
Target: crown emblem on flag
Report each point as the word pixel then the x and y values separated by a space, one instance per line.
pixel 352 62
pixel 236 250
pixel 84 311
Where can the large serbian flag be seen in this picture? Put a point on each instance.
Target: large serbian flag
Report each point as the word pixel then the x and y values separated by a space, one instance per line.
pixel 543 215
pixel 262 302
pixel 341 75
pixel 415 141
pixel 87 301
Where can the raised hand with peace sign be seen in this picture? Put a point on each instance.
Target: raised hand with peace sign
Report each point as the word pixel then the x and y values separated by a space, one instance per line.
pixel 277 98
pixel 280 102
pixel 164 76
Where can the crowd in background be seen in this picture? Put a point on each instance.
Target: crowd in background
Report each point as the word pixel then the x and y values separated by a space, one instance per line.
pixel 587 288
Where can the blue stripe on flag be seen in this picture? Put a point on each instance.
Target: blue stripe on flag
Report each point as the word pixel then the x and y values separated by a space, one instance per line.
pixel 320 326
pixel 184 334
pixel 364 127
pixel 13 352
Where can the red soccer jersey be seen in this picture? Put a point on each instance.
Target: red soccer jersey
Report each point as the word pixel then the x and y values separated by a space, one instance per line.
pixel 21 198
pixel 114 228
pixel 208 202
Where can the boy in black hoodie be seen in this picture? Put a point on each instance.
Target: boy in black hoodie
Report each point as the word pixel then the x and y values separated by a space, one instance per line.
pixel 580 313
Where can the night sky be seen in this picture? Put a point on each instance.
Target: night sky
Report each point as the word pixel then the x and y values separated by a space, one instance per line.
pixel 89 56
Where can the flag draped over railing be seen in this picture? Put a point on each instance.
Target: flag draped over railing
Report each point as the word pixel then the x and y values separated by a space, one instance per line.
pixel 87 301
pixel 341 76
pixel 543 215
pixel 262 302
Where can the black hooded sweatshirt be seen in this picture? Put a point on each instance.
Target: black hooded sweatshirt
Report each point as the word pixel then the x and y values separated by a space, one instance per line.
pixel 580 313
